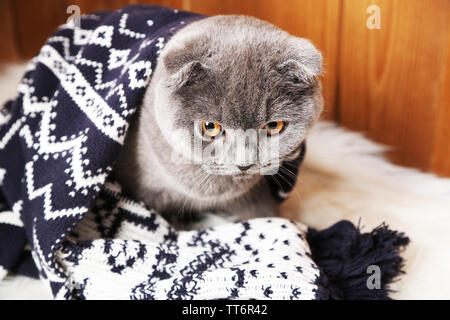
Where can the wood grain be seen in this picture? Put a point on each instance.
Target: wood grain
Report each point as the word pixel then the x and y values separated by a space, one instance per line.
pixel 88 6
pixel 35 20
pixel 390 79
pixel 441 152
pixel 8 39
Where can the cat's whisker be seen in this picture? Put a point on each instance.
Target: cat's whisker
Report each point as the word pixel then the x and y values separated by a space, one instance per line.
pixel 296 176
pixel 182 208
pixel 289 172
pixel 290 183
pixel 305 185
pixel 201 184
pixel 276 180
pixel 301 181
pixel 202 175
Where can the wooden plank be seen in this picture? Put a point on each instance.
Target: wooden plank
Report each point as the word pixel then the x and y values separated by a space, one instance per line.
pixel 8 41
pixel 441 151
pixel 88 6
pixel 317 20
pixel 176 4
pixel 35 21
pixel 390 79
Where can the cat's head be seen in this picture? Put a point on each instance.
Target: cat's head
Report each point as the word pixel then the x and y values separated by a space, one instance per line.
pixel 237 95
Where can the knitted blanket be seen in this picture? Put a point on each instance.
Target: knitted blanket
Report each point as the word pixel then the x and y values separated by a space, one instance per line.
pixel 63 220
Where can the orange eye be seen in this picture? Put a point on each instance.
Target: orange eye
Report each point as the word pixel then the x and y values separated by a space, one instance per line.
pixel 211 129
pixel 274 127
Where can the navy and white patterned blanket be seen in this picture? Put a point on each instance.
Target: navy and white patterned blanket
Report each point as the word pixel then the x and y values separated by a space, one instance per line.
pixel 61 218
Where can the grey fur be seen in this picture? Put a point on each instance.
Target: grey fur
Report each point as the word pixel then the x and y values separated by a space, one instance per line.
pixel 235 70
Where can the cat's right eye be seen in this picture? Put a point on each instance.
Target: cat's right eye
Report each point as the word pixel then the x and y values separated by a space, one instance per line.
pixel 274 127
pixel 210 130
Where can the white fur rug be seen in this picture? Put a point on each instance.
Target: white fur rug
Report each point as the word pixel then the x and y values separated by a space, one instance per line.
pixel 344 177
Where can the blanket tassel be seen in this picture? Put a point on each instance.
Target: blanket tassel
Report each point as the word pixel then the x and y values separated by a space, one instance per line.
pixel 356 265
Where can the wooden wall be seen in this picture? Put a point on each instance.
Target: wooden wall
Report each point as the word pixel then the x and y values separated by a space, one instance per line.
pixel 391 83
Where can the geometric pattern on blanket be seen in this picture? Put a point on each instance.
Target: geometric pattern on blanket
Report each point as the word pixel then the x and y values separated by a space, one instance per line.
pixel 137 255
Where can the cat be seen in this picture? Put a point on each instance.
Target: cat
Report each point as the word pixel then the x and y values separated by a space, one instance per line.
pixel 217 79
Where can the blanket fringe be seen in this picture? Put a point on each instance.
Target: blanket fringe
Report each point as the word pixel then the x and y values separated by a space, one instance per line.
pixel 344 255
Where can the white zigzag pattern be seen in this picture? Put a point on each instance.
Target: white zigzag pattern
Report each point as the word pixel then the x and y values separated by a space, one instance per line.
pixel 98 66
pixel 46 146
pixel 121 94
pixel 11 132
pixel 125 31
pixel 66 45
pixel 86 98
pixel 46 192
pixel 13 217
pixel 99 84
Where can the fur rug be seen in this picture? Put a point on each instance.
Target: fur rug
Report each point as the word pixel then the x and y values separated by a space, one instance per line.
pixel 344 176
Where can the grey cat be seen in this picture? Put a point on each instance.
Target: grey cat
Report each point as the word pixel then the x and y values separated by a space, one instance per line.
pixel 216 79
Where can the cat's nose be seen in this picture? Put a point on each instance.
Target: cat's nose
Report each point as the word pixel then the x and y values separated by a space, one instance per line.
pixel 244 168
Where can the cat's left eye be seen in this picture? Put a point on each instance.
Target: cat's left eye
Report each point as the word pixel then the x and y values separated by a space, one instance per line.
pixel 211 129
pixel 274 127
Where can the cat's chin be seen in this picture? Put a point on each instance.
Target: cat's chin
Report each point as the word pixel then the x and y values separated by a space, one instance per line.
pixel 243 182
pixel 243 177
pixel 226 186
pixel 237 176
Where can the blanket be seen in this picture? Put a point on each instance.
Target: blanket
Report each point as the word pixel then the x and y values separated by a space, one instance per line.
pixel 63 220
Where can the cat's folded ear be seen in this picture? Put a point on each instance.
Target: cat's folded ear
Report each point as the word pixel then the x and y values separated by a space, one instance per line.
pixel 189 75
pixel 304 63
pixel 183 67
